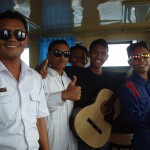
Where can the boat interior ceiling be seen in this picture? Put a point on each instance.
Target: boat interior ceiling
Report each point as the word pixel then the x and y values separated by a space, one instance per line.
pixel 82 16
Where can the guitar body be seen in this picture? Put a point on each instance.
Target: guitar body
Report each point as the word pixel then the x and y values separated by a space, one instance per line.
pixel 89 123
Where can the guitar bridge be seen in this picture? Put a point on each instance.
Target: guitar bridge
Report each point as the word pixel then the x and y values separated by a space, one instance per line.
pixel 94 125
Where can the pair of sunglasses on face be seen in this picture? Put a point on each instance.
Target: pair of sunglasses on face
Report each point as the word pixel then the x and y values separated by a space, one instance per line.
pixel 6 34
pixel 59 53
pixel 137 57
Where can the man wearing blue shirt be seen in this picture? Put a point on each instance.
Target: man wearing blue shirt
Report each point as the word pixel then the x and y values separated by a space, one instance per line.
pixel 135 95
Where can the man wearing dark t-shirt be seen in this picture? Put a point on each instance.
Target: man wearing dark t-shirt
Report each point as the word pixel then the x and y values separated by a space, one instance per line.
pixel 92 83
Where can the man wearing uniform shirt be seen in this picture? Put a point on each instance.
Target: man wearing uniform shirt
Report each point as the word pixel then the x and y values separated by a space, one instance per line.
pixel 22 99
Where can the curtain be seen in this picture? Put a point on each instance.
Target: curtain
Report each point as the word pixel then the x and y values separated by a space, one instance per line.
pixel 44 43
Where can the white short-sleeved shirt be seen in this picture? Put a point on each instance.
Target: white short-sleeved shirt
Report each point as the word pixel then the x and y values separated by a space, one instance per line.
pixel 21 103
pixel 59 133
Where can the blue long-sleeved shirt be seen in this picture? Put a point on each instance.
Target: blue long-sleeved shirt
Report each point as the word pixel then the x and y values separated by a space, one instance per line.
pixel 135 100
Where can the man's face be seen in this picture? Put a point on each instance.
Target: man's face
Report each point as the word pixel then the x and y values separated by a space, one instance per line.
pixel 58 63
pixel 98 55
pixel 12 48
pixel 138 61
pixel 78 58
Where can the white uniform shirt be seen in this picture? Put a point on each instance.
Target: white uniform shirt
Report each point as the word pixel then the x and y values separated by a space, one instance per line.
pixel 59 133
pixel 21 103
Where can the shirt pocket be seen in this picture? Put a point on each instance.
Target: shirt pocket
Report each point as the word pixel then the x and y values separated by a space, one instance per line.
pixel 34 105
pixel 4 97
pixel 5 106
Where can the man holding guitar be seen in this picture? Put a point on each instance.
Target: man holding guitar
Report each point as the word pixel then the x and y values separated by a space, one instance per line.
pixel 92 80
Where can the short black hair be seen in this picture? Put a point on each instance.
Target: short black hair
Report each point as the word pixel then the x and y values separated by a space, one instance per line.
pixel 101 42
pixel 78 46
pixel 56 42
pixel 12 14
pixel 133 46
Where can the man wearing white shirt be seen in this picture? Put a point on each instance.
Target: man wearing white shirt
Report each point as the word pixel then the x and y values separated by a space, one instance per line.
pixel 60 93
pixel 22 100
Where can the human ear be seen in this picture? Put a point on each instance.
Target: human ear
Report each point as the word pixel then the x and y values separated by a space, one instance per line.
pixel 129 62
pixel 107 57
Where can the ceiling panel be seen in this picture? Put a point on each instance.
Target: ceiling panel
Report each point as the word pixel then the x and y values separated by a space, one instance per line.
pixel 71 15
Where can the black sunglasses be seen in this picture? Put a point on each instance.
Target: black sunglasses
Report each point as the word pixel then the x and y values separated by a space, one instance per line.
pixel 6 35
pixel 59 53
pixel 137 57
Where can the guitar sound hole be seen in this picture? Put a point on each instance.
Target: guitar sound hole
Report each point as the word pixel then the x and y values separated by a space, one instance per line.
pixel 106 108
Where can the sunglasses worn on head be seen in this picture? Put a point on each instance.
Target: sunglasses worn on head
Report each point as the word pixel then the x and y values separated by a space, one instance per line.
pixel 59 53
pixel 137 57
pixel 6 35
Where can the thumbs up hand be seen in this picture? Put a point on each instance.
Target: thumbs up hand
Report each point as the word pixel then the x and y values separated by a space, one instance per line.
pixel 74 80
pixel 44 64
pixel 43 68
pixel 72 92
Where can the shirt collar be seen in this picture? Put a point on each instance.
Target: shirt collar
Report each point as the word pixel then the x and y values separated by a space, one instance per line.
pixel 2 67
pixel 24 67
pixel 139 78
pixel 54 72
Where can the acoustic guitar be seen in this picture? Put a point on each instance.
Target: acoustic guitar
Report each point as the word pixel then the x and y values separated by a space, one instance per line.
pixel 92 123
